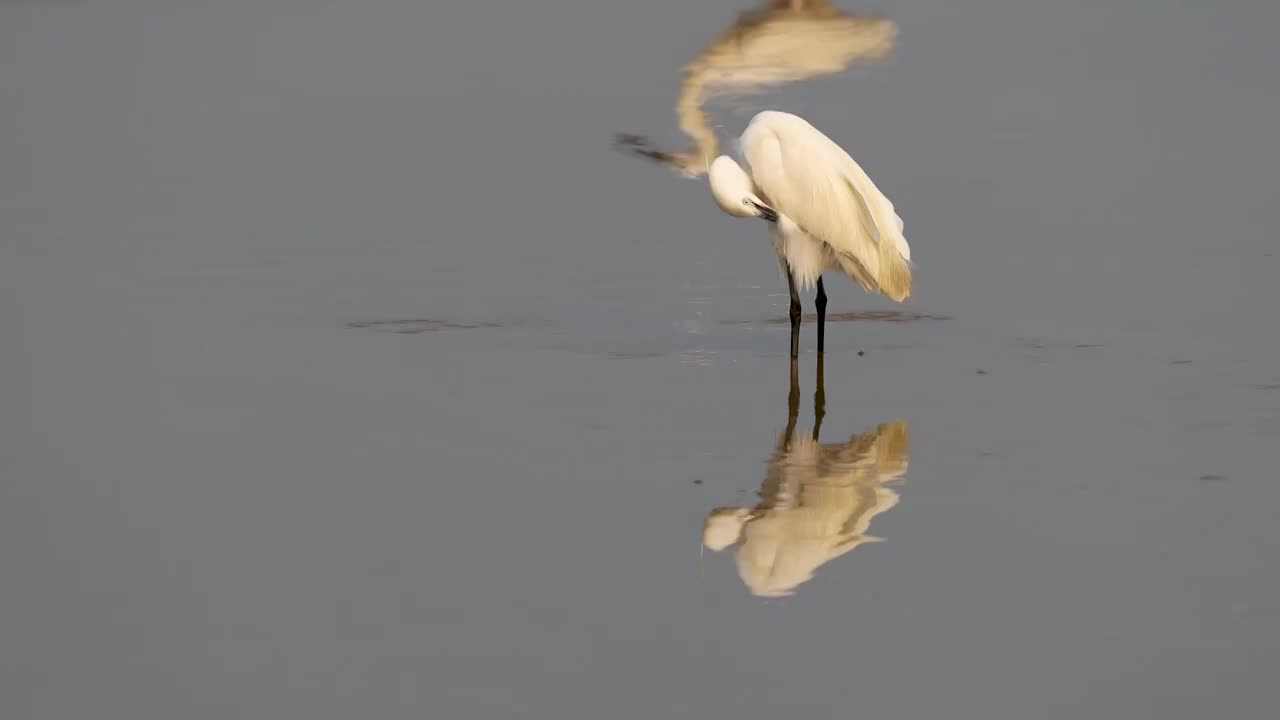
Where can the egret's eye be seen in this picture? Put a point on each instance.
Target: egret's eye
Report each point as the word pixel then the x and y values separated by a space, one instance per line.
pixel 746 202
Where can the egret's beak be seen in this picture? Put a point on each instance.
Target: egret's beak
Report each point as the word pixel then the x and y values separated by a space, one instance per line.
pixel 766 212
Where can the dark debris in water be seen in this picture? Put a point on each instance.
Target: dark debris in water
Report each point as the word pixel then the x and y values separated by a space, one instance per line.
pixel 1212 478
pixel 417 326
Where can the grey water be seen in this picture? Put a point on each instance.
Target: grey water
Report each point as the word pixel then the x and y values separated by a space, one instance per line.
pixel 347 370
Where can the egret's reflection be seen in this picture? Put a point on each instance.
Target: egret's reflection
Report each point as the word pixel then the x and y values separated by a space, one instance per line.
pixel 782 41
pixel 816 502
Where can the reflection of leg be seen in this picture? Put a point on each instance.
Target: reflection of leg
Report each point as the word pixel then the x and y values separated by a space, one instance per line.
pixel 821 302
pixel 795 314
pixel 793 405
pixel 799 5
pixel 819 400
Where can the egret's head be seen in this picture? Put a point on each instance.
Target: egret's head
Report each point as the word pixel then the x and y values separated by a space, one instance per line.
pixel 734 192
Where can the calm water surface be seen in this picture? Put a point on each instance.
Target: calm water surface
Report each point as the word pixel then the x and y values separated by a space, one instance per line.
pixel 346 370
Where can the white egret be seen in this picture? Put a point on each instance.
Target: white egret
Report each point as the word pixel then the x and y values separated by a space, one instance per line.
pixel 824 213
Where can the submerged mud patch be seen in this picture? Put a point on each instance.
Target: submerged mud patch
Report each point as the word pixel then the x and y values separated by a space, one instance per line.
pixel 894 316
pixel 417 326
pixel 633 355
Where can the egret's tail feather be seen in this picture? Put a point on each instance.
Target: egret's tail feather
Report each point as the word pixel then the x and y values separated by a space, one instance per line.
pixel 895 273
pixel 894 279
pixel 856 272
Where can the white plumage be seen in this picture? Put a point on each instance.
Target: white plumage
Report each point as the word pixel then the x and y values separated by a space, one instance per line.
pixel 827 213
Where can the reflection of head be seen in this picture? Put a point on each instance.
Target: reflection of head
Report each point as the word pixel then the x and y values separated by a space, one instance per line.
pixel 817 503
pixel 723 527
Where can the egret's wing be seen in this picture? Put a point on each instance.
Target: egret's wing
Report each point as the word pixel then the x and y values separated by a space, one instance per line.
pixel 813 181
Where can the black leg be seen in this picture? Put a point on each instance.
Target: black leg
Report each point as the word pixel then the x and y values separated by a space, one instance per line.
pixel 795 315
pixel 819 400
pixel 821 302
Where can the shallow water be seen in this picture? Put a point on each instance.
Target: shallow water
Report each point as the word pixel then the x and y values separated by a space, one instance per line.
pixel 348 371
